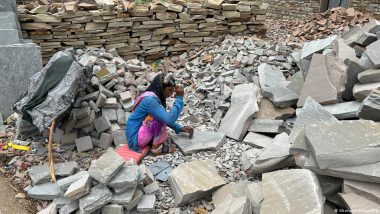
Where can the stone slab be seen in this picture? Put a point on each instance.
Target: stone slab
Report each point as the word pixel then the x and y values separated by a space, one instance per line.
pixel 244 100
pixel 135 200
pixel 194 180
pixel 347 110
pixel 300 192
pixel 104 168
pixel 267 110
pixel 69 208
pixel 357 202
pixel 371 191
pixel 164 175
pixel 201 141
pixel 363 91
pixel 125 197
pixel 344 143
pixel 296 83
pixel 280 96
pixel 64 183
pixel 370 107
pixel 18 63
pixel 316 46
pixel 257 140
pixel 84 144
pixel 113 209
pixel 270 77
pixel 234 205
pixel 369 76
pixel 311 112
pixel 126 177
pixel 266 126
pixel 99 196
pixel 9 37
pixel 158 167
pixel 46 191
pixel 353 70
pixel 119 137
pixel 146 204
pixel 79 188
pixel 373 53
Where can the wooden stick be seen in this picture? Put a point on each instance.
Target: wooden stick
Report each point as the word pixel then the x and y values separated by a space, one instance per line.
pixel 50 152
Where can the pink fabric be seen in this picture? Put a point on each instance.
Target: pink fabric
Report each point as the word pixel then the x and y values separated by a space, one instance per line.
pixel 145 136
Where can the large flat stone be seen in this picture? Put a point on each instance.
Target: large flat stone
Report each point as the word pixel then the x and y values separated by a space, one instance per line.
pixel 354 68
pixel 266 126
pixel 311 112
pixel 9 37
pixel 296 83
pixel 267 110
pixel 79 188
pixel 347 110
pixel 370 107
pixel 270 77
pixel 368 173
pixel 353 34
pixel 18 63
pixel 201 141
pixel 371 191
pixel 291 191
pixel 99 196
pixel 46 191
pixel 104 168
pixel 324 81
pixel 194 180
pixel 244 100
pixel 257 140
pixel 344 143
pixel 125 197
pixel 373 53
pixel 64 183
pixel 363 91
pixel 316 46
pixel 280 96
pixel 357 202
pixel 369 76
pixel 126 177
pixel 233 204
pixel 344 51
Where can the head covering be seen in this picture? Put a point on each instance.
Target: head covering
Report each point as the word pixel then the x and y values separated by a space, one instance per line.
pixel 159 83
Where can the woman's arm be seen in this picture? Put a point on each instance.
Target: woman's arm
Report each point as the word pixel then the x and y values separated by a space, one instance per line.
pixel 154 108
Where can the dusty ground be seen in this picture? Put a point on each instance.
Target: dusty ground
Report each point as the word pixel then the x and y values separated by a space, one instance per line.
pixel 8 203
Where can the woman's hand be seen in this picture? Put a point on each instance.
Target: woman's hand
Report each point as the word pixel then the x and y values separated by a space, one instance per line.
pixel 179 91
pixel 189 130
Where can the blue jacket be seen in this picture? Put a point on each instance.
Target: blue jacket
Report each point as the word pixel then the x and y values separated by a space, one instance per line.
pixel 152 105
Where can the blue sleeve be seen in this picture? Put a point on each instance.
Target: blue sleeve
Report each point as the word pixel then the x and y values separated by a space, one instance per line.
pixel 155 109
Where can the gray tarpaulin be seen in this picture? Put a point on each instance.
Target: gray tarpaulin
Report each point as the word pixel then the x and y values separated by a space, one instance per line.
pixel 52 91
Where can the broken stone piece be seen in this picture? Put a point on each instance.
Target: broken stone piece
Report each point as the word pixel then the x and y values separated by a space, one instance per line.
pixel 280 96
pixel 369 76
pixel 267 110
pixel 126 177
pixel 257 140
pixel 99 196
pixel 370 191
pixel 357 202
pixel 146 204
pixel 201 141
pixel 125 197
pixel 46 191
pixel 79 188
pixel 194 180
pixel 362 91
pixel 300 192
pixel 347 110
pixel 266 126
pixel 104 168
pixel 370 107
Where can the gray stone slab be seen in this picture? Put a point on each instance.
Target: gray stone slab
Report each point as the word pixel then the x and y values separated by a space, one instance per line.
pixel 119 137
pixel 316 46
pixel 51 209
pixel 194 180
pixel 244 100
pixel 366 39
pixel 105 140
pixel 267 110
pixel 201 141
pixel 373 53
pixel 66 168
pixel 125 197
pixel 369 76
pixel 152 189
pixel 280 96
pixel 279 149
pixel 102 124
pixel 46 191
pixel 367 173
pixel 234 205
pixel 296 83
pixel 370 107
pixel 18 63
pixel 60 202
pixel 270 77
pixel 158 167
pixel 344 143
pixel 356 202
pixel 6 6
pixel 9 37
pixel 69 208
pixel 311 112
pixel 99 196
pixel 126 177
pixel 84 144
pixel 79 188
pixel 300 192
pixel 347 110
pixel 64 183
pixel 164 175
pixel 257 140
pixel 39 174
pixel 371 191
pixel 110 113
pixel 353 34
pixel 104 168
pixel 135 200
pixel 146 204
pixel 363 91
pixel 343 51
pixel 113 209
pixel 266 126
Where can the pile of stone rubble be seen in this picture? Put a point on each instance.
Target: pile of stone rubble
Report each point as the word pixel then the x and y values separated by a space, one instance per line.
pixel 244 89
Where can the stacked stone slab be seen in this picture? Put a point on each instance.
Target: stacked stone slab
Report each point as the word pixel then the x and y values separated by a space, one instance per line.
pixel 110 185
pixel 19 59
pixel 149 30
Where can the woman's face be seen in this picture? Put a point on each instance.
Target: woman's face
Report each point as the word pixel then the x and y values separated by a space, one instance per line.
pixel 168 91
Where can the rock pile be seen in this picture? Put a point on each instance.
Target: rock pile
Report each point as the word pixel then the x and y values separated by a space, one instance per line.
pixel 152 30
pixel 319 25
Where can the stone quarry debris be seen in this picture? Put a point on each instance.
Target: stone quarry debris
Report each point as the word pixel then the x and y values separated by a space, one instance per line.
pixel 201 141
pixel 203 177
pixel 300 192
